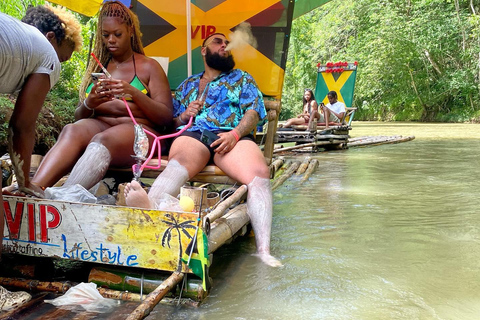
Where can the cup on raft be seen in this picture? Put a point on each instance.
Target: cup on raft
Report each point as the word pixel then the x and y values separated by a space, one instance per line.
pixel 195 194
pixel 212 199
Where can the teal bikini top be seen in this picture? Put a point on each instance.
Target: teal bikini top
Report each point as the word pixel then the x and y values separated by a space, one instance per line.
pixel 136 83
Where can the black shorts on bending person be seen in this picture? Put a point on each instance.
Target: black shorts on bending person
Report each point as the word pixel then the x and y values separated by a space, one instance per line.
pixel 197 135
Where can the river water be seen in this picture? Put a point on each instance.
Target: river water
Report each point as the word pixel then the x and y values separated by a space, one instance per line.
pixel 383 232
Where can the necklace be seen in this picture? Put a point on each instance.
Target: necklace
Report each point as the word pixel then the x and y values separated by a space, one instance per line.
pixel 119 64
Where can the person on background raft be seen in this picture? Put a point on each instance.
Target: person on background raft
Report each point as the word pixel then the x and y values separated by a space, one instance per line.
pixel 227 106
pixel 103 133
pixel 334 111
pixel 31 51
pixel 309 106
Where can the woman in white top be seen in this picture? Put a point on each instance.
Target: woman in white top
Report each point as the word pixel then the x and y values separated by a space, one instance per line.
pixel 30 56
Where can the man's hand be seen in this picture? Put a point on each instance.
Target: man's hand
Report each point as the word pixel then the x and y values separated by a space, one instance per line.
pixel 225 143
pixel 192 110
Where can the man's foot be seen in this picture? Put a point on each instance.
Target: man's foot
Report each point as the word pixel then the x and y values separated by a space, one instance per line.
pixel 135 196
pixel 269 260
pixel 11 300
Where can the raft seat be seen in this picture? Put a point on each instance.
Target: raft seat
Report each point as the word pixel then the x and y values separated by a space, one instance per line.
pixel 210 174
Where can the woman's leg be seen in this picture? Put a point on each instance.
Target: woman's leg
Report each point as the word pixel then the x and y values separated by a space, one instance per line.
pixel 294 122
pixel 71 143
pixel 113 146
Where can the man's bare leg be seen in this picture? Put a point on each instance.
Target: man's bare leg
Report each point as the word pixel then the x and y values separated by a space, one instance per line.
pixel 259 208
pixel 169 181
pixel 255 174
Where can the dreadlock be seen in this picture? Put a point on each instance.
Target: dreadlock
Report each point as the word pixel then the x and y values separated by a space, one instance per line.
pixel 62 23
pixel 118 10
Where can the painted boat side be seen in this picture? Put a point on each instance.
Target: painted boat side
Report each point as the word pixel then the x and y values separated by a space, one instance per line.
pixel 111 235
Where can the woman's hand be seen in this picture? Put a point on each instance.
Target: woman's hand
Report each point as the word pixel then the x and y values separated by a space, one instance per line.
pixel 98 95
pixel 116 88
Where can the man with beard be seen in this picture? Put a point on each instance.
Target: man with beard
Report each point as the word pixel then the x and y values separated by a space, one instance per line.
pixel 226 105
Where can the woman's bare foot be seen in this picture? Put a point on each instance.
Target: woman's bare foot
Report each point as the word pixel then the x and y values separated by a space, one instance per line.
pixel 135 196
pixel 32 191
pixel 269 260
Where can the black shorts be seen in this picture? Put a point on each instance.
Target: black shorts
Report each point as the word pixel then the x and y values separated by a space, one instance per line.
pixel 197 134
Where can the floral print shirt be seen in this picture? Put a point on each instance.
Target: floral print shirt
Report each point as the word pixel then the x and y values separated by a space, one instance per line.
pixel 227 98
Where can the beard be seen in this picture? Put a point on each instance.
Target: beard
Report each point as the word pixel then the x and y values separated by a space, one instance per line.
pixel 217 62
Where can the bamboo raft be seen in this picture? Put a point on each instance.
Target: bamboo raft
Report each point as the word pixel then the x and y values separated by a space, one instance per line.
pixel 333 138
pixel 377 140
pixel 130 252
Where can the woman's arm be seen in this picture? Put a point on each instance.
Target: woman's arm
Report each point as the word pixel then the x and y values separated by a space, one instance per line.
pixel 156 108
pixel 22 125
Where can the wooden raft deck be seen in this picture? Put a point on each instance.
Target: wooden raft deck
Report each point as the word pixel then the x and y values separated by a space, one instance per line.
pixel 335 137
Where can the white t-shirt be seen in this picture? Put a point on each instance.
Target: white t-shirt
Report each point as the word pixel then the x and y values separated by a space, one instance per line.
pixel 337 107
pixel 24 50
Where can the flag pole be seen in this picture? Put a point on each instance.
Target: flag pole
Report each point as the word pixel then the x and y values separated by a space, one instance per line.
pixel 189 38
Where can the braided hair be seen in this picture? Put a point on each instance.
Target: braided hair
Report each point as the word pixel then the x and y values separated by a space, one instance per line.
pixel 114 9
pixel 62 23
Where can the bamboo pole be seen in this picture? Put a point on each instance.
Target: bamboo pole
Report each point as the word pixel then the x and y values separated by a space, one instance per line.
pixel 280 180
pixel 225 228
pixel 377 140
pixel 36 285
pixel 278 163
pixel 224 205
pixel 303 166
pixel 154 297
pixel 311 167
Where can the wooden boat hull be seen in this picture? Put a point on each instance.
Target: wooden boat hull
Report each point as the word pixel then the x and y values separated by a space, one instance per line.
pixel 104 234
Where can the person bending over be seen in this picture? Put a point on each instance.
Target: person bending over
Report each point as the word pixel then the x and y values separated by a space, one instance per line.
pixel 103 134
pixel 309 106
pixel 31 51
pixel 227 102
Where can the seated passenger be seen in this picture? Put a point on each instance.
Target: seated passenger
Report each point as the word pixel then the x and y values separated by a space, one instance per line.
pixel 334 111
pixel 103 134
pixel 309 105
pixel 225 101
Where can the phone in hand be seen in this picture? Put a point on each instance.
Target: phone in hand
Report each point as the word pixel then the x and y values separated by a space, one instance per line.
pixel 97 75
pixel 208 137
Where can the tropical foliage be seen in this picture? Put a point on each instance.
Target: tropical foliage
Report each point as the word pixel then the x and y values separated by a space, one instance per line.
pixel 418 60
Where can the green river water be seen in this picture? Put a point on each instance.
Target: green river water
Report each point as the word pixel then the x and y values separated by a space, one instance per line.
pixel 383 232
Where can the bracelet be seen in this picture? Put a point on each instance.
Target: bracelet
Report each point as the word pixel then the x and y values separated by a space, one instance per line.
pixel 85 105
pixel 235 134
pixel 181 121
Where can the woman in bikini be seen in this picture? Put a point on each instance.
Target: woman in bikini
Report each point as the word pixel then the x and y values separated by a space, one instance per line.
pixel 103 133
pixel 309 105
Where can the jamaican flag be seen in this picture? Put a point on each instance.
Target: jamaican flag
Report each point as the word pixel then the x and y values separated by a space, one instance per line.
pixel 199 262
